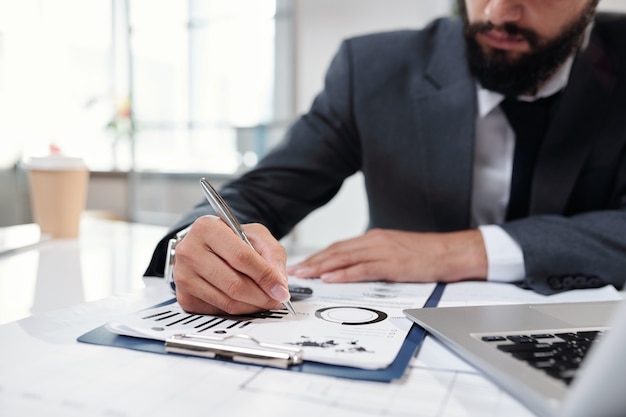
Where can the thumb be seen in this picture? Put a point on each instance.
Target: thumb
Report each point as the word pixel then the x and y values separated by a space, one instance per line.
pixel 274 254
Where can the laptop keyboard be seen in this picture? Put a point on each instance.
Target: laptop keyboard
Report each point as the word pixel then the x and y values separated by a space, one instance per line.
pixel 557 354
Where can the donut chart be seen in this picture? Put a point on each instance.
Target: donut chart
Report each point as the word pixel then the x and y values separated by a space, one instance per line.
pixel 350 316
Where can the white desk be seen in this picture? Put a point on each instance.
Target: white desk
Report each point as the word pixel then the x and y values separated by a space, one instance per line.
pixel 109 258
pixel 45 372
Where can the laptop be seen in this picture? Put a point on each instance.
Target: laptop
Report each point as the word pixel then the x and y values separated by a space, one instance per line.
pixel 520 348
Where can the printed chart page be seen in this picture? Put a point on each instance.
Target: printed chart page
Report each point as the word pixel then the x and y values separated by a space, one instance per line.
pixel 357 324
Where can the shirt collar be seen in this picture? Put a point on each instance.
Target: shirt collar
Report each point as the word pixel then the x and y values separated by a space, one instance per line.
pixel 489 100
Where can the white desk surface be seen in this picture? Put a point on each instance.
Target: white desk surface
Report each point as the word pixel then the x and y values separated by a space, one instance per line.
pixel 61 289
pixel 108 258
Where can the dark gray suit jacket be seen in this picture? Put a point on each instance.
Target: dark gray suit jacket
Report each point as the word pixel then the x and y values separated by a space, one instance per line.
pixel 401 108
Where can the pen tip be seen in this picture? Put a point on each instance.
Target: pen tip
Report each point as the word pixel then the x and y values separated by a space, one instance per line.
pixel 289 307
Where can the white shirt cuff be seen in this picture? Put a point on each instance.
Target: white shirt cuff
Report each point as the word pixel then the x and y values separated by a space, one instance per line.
pixel 505 259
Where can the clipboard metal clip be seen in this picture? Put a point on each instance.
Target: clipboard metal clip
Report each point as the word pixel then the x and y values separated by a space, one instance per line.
pixel 237 348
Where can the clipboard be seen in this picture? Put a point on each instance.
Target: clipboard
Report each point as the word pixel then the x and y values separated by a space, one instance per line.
pixel 264 355
pixel 239 348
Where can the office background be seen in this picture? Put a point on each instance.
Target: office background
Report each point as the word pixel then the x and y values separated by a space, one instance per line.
pixel 155 94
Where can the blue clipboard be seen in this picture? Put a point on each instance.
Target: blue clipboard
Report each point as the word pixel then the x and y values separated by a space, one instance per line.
pixel 102 336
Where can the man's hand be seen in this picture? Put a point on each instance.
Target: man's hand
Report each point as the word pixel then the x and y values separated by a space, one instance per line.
pixel 216 272
pixel 400 257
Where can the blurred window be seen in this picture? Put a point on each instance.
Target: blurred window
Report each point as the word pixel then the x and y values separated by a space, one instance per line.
pixel 148 85
pixel 203 84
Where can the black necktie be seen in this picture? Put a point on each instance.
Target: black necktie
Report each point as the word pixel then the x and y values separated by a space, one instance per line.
pixel 529 121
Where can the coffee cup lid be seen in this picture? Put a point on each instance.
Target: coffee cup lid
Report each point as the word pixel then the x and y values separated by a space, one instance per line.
pixel 55 162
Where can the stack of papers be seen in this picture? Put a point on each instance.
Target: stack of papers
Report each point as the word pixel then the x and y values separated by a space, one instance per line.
pixel 358 325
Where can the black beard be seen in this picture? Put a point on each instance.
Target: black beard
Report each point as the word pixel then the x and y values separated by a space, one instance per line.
pixel 496 71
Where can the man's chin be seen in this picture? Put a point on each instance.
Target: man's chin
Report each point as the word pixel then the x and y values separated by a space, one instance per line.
pixel 503 56
pixel 504 59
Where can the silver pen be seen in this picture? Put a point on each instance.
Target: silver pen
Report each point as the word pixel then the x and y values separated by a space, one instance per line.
pixel 227 216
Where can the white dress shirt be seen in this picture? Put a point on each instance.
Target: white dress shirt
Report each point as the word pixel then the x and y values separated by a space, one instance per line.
pixel 493 167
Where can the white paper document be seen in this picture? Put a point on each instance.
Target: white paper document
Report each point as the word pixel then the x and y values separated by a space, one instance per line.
pixel 471 293
pixel 358 324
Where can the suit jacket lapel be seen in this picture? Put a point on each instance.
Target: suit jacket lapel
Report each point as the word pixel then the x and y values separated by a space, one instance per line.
pixel 445 100
pixel 579 116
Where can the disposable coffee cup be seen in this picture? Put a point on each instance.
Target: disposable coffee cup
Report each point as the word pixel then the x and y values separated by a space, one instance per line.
pixel 58 192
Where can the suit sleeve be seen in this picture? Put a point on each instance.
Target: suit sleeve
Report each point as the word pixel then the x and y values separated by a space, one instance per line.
pixel 587 250
pixel 302 173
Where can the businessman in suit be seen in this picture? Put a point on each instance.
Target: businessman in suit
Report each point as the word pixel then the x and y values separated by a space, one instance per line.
pixel 492 148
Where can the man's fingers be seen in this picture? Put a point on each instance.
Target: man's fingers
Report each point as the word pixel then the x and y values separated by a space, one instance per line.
pixel 337 256
pixel 273 275
pixel 196 305
pixel 213 253
pixel 399 256
pixel 220 288
pixel 354 273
